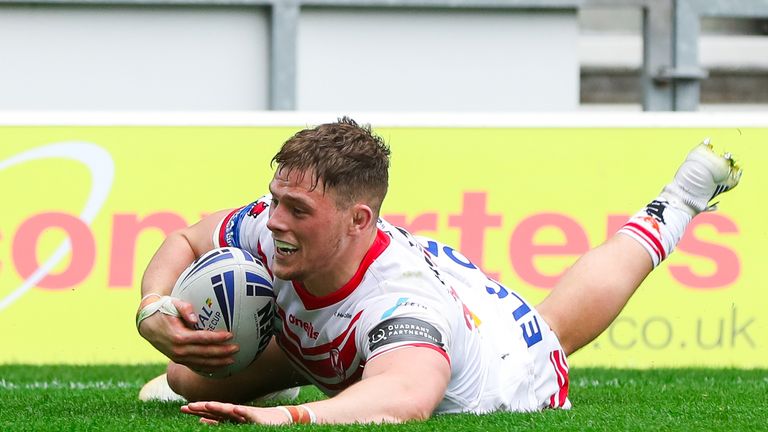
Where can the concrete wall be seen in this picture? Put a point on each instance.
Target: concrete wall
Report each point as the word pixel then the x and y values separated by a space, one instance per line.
pixel 133 58
pixel 65 57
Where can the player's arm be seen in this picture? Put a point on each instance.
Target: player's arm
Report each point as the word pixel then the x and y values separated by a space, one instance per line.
pixel 400 385
pixel 172 335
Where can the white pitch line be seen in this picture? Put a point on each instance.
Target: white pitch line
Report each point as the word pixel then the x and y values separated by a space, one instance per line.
pixel 69 385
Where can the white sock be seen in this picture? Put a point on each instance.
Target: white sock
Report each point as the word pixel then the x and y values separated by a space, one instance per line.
pixel 658 228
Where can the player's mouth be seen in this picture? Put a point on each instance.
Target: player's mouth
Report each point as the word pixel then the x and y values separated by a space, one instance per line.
pixel 285 248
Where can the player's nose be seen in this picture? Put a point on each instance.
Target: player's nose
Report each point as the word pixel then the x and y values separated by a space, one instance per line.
pixel 276 221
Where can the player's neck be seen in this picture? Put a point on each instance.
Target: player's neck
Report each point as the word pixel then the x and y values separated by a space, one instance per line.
pixel 340 268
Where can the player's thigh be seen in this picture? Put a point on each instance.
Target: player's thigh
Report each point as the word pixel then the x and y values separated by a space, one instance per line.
pixel 270 372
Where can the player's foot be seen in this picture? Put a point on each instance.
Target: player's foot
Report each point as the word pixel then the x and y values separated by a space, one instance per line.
pixel 288 394
pixel 157 389
pixel 702 176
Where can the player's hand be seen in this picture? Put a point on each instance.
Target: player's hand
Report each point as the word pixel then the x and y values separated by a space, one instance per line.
pixel 204 351
pixel 215 412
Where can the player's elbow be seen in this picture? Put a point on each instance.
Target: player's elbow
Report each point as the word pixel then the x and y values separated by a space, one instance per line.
pixel 408 411
pixel 414 404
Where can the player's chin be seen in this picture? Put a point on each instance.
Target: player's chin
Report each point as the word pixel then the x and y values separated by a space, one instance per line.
pixel 285 272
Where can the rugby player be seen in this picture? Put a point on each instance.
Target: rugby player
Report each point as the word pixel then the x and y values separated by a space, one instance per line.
pixel 393 327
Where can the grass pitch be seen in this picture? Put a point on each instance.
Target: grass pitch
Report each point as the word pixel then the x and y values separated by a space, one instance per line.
pixel 103 398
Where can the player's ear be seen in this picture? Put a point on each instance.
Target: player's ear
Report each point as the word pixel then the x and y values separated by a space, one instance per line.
pixel 362 217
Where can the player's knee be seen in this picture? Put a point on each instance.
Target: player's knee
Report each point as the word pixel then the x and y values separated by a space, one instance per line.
pixel 175 381
pixel 183 382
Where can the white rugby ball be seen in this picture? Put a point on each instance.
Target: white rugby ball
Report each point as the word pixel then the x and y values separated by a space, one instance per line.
pixel 231 290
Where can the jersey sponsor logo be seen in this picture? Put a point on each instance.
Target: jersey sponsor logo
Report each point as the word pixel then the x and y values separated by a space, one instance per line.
pixel 257 208
pixel 229 228
pixel 307 326
pixel 656 209
pixel 387 313
pixel 402 301
pixel 337 364
pixel 404 329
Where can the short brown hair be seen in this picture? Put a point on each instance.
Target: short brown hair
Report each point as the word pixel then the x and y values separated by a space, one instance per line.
pixel 345 157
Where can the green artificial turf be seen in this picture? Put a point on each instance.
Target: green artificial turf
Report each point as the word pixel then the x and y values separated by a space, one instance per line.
pixel 103 398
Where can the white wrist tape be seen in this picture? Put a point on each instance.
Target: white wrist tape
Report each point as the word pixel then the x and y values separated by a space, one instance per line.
pixel 286 412
pixel 312 415
pixel 298 414
pixel 163 305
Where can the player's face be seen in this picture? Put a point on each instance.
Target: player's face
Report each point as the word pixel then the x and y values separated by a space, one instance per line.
pixel 308 229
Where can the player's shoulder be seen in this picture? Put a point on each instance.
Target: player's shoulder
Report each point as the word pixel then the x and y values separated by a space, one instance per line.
pixel 401 318
pixel 242 222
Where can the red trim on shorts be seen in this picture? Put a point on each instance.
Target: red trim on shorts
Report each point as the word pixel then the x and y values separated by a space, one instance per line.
pixel 312 302
pixel 557 358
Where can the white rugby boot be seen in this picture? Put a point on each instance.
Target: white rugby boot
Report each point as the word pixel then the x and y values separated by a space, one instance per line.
pixel 703 175
pixel 157 389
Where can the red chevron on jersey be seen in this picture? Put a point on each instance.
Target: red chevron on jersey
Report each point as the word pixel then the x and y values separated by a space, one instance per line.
pixel 328 386
pixel 330 359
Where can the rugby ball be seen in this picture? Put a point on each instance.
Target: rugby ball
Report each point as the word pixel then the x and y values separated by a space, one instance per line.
pixel 231 290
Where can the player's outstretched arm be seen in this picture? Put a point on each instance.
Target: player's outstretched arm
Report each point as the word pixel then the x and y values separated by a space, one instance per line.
pixel 172 335
pixel 397 386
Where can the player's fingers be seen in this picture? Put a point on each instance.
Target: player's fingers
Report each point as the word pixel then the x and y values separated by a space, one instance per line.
pixel 198 409
pixel 204 363
pixel 201 414
pixel 208 421
pixel 186 312
pixel 225 410
pixel 206 351
pixel 197 337
pixel 187 410
pixel 193 407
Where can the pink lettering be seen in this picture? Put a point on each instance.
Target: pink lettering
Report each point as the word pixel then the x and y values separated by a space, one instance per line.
pixel 523 251
pixel 472 223
pixel 83 248
pixel 126 229
pixel 727 265
pixel 422 222
pixel 613 223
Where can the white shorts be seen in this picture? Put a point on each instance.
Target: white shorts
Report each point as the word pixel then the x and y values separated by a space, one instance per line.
pixel 550 380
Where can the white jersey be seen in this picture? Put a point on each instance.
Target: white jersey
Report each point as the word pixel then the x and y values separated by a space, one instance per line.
pixel 412 291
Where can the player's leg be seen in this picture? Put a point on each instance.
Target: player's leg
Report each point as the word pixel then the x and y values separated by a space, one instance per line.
pixel 592 293
pixel 271 372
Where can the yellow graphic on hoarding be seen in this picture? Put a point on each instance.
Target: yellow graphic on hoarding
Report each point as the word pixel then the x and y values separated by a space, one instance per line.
pixel 85 208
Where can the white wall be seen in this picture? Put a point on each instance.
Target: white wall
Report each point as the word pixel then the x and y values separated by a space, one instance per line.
pixel 445 60
pixel 85 57
pixel 137 58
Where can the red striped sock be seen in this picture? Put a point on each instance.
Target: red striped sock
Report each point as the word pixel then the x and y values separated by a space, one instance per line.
pixel 658 228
